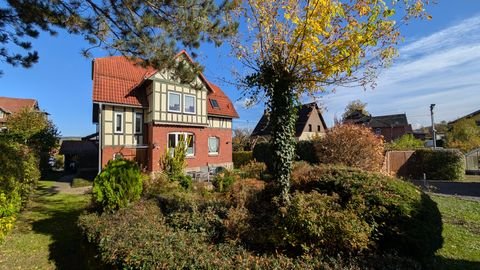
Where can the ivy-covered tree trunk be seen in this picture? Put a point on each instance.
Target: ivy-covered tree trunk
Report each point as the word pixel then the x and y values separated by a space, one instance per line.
pixel 283 116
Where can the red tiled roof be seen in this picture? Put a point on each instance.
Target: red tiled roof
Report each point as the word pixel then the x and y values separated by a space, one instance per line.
pixel 225 106
pixel 116 80
pixel 13 105
pixel 115 77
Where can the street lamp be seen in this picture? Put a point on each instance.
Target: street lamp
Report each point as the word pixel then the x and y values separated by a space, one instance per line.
pixel 433 127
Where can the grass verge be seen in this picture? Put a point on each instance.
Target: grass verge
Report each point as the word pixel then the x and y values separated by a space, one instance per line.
pixel 461 233
pixel 80 182
pixel 46 235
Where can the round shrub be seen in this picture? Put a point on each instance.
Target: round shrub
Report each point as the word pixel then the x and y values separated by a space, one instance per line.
pixel 403 219
pixel 353 146
pixel 119 184
pixel 318 222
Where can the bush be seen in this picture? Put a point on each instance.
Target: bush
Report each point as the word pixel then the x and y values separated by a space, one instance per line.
pixel 223 180
pixel 118 185
pixel 185 181
pixel 262 152
pixel 9 207
pixel 18 176
pixel 353 146
pixel 253 169
pixel 406 142
pixel 318 222
pixel 305 151
pixel 141 237
pixel 437 164
pixel 403 219
pixel 241 158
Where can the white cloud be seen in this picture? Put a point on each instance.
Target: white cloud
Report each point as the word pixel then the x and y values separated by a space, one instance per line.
pixel 442 68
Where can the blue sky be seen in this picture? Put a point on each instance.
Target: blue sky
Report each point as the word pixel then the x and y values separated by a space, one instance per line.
pixel 439 63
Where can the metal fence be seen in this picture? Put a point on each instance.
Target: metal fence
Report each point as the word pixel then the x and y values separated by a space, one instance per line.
pixel 473 160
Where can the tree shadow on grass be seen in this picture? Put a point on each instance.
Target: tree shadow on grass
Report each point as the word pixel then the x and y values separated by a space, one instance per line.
pixel 68 249
pixel 442 263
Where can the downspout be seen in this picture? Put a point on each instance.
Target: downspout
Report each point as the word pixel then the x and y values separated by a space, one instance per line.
pixel 100 148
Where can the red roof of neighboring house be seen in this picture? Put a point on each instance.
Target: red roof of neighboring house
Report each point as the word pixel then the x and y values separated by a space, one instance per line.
pixel 116 80
pixel 13 105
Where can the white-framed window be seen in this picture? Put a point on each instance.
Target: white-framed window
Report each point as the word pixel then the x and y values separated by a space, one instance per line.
pixel 189 104
pixel 118 122
pixel 378 131
pixel 188 139
pixel 174 102
pixel 138 123
pixel 213 145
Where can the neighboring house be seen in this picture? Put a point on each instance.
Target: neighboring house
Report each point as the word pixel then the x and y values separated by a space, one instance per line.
pixel 475 115
pixel 310 123
pixel 141 112
pixel 391 127
pixel 10 106
pixel 80 153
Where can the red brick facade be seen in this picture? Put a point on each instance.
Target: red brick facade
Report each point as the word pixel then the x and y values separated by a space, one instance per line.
pixel 159 135
pixel 150 157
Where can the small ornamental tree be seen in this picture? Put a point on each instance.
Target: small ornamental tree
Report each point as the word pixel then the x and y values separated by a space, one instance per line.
pixel 295 48
pixel 353 146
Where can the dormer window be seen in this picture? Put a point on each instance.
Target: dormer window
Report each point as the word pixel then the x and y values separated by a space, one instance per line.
pixel 214 103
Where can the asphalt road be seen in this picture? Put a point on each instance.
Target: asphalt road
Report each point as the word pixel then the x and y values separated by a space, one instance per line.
pixel 464 189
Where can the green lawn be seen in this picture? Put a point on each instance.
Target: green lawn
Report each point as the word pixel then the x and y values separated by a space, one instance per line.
pixel 461 232
pixel 45 235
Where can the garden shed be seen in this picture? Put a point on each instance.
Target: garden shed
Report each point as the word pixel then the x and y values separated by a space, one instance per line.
pixel 473 161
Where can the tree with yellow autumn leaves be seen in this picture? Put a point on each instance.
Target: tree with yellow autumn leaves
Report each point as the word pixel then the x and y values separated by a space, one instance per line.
pixel 294 48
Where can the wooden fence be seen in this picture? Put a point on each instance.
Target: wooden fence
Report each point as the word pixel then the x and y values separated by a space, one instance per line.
pixel 395 162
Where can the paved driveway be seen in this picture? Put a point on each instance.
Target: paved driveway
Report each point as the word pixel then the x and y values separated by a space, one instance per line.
pixel 464 189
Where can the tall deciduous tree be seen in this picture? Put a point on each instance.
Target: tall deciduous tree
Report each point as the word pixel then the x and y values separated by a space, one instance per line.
pixel 304 47
pixel 150 30
pixel 464 135
pixel 355 106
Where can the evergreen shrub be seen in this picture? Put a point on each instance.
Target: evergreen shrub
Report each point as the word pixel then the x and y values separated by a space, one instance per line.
pixel 118 185
pixel 401 218
pixel 241 158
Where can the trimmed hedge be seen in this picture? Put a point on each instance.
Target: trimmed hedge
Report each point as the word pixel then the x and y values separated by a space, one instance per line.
pixel 241 158
pixel 442 164
pixel 304 150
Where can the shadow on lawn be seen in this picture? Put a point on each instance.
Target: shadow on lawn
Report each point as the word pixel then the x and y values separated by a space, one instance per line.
pixel 442 263
pixel 68 249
